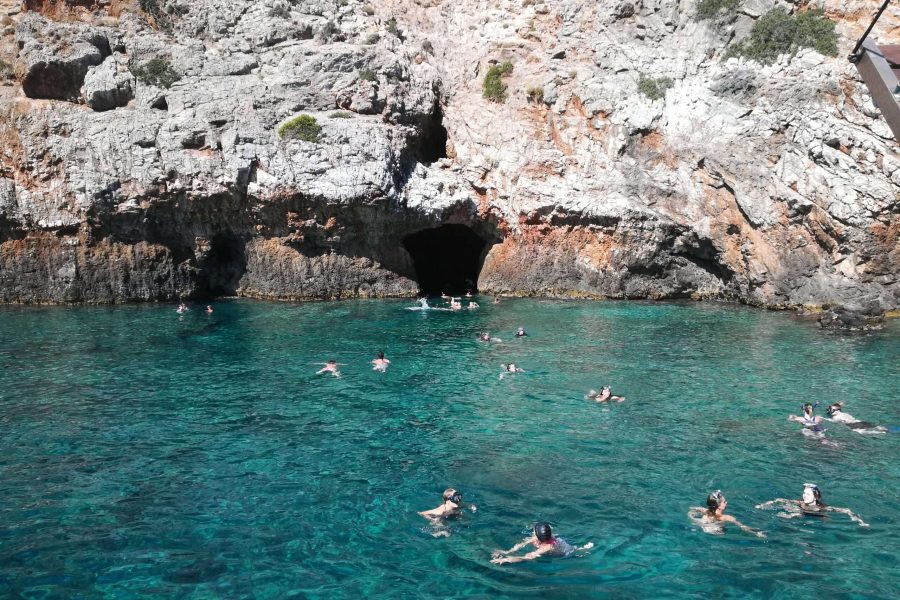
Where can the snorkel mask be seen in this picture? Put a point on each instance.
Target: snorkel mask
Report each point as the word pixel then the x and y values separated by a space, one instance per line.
pixel 456 498
pixel 811 493
pixel 834 409
pixel 715 500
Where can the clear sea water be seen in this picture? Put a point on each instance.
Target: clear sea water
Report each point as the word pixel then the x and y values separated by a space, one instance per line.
pixel 147 455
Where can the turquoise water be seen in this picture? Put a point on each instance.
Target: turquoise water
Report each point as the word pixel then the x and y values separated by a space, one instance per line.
pixel 145 454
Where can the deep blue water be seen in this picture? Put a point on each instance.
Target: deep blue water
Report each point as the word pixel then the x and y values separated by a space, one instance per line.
pixel 146 454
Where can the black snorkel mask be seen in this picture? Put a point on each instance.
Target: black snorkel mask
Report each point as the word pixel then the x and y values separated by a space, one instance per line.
pixel 456 498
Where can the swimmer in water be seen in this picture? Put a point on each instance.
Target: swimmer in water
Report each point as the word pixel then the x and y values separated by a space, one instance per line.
pixel 469 294
pixel 837 415
pixel 209 309
pixel 423 302
pixel 509 369
pixel 545 544
pixel 810 505
pixel 455 304
pixel 380 363
pixel 496 299
pixel 604 395
pixel 451 506
pixel 472 305
pixel 182 308
pixel 520 332
pixel 330 367
pixel 485 336
pixel 810 421
pixel 712 519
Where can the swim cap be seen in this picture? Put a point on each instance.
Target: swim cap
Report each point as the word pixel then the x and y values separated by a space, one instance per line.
pixel 543 532
pixel 714 499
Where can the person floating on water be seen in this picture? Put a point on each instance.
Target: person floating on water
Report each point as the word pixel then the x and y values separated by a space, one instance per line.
pixel 604 395
pixel 423 303
pixel 837 415
pixel 712 519
pixel 509 369
pixel 380 363
pixel 811 422
pixel 469 294
pixel 545 544
pixel 330 367
pixel 810 504
pixel 182 308
pixel 472 305
pixel 455 304
pixel 209 309
pixel 451 506
pixel 496 299
pixel 485 336
pixel 520 332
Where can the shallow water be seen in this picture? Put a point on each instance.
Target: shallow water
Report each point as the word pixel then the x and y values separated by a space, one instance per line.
pixel 145 454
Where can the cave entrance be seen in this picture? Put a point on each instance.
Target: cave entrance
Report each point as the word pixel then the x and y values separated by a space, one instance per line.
pixel 224 265
pixel 447 258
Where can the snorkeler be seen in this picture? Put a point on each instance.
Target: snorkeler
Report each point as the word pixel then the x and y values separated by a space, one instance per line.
pixel 472 305
pixel 330 367
pixel 712 519
pixel 451 506
pixel 209 309
pixel 809 420
pixel 380 363
pixel 510 368
pixel 604 395
pixel 545 544
pixel 485 336
pixel 520 332
pixel 810 504
pixel 182 308
pixel 837 414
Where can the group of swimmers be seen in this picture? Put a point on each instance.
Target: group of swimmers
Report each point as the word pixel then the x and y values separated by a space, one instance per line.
pixel 542 539
pixel 812 423
pixel 183 308
pixel 713 519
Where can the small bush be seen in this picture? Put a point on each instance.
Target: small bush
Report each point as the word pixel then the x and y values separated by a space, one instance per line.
pixel 372 39
pixel 777 33
pixel 341 114
pixel 158 72
pixel 493 88
pixel 6 70
pixel 391 27
pixel 535 95
pixel 367 75
pixel 654 88
pixel 303 128
pixel 716 9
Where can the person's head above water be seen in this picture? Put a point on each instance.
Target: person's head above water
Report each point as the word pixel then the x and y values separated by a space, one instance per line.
pixel 511 367
pixel 543 532
pixel 380 355
pixel 484 335
pixel 808 409
pixel 835 408
pixel 331 362
pixel 452 495
pixel 520 331
pixel 811 494
pixel 715 501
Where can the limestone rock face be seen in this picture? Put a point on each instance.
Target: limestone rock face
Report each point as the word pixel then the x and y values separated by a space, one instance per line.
pixel 141 155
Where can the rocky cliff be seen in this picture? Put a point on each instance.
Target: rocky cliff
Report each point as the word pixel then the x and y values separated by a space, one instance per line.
pixel 142 160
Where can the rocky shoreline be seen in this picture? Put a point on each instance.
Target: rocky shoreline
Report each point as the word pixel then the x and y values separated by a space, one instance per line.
pixel 142 159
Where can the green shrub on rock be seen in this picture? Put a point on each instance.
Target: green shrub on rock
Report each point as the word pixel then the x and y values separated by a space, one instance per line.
pixel 777 33
pixel 654 88
pixel 158 72
pixel 367 75
pixel 493 88
pixel 535 94
pixel 303 128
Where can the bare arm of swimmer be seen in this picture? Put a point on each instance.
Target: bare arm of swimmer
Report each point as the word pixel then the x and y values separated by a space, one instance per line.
pixel 849 513
pixel 730 519
pixel 517 547
pixel 500 560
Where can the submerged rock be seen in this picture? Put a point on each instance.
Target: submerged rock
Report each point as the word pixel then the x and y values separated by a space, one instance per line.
pixel 852 319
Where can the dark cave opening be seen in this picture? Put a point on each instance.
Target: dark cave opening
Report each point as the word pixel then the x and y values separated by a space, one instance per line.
pixel 224 264
pixel 434 141
pixel 447 259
